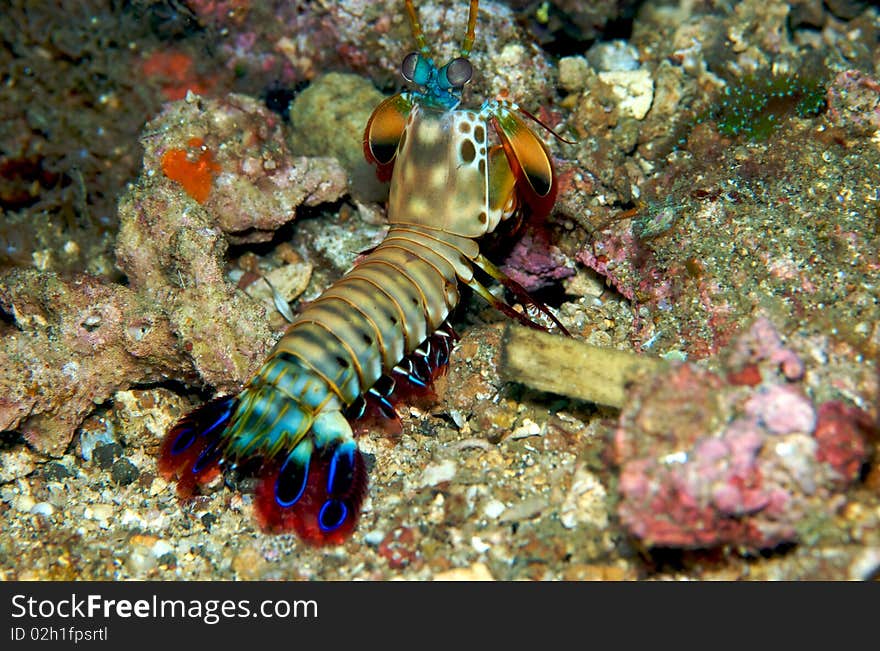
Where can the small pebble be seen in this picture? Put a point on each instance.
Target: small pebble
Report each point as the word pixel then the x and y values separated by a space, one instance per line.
pixel 54 471
pixel 89 440
pixel 458 418
pixel 493 509
pixel 634 90
pixel 437 473
pixel 124 472
pixel 613 55
pixel 528 508
pixel 585 501
pixel 24 503
pixel 131 518
pixel 105 454
pixel 168 560
pixel 479 546
pixel 140 561
pixel 43 508
pixel 161 548
pixel 374 537
pixel 527 429
pixel 866 565
pixel 476 572
pixel 99 512
pixel 16 463
pixel 208 521
pixel 574 73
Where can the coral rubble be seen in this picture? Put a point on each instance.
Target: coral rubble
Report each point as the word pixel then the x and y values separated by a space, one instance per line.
pixel 743 458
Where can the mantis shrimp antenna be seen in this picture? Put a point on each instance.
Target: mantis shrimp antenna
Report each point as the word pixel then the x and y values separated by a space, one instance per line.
pixel 470 35
pixel 419 35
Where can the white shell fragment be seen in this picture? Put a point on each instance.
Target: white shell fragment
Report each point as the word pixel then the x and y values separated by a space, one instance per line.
pixel 634 89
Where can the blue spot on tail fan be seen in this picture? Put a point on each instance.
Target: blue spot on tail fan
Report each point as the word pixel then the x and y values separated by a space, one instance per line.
pixel 333 515
pixel 201 422
pixel 293 476
pixel 341 473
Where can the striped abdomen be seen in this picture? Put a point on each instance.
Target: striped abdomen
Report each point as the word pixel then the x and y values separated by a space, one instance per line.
pixel 380 311
pixel 357 330
pixel 290 414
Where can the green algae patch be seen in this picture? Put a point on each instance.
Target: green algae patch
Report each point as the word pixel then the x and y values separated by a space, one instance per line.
pixel 756 105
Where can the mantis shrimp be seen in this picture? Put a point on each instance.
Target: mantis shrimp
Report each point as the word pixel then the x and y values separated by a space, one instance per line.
pixel 384 321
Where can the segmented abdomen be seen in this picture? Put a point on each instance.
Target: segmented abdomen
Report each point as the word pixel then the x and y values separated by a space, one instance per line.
pixel 357 330
pixel 290 414
pixel 380 311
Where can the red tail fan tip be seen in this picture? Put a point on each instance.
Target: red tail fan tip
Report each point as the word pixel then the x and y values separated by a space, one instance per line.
pixel 321 516
pixel 191 451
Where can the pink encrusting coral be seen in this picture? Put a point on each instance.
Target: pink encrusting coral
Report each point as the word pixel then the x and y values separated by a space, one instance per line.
pixel 604 256
pixel 745 459
pixel 839 438
pixel 535 262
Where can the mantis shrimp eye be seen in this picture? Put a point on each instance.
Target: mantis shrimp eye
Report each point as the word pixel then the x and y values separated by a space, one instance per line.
pixel 415 68
pixel 457 72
